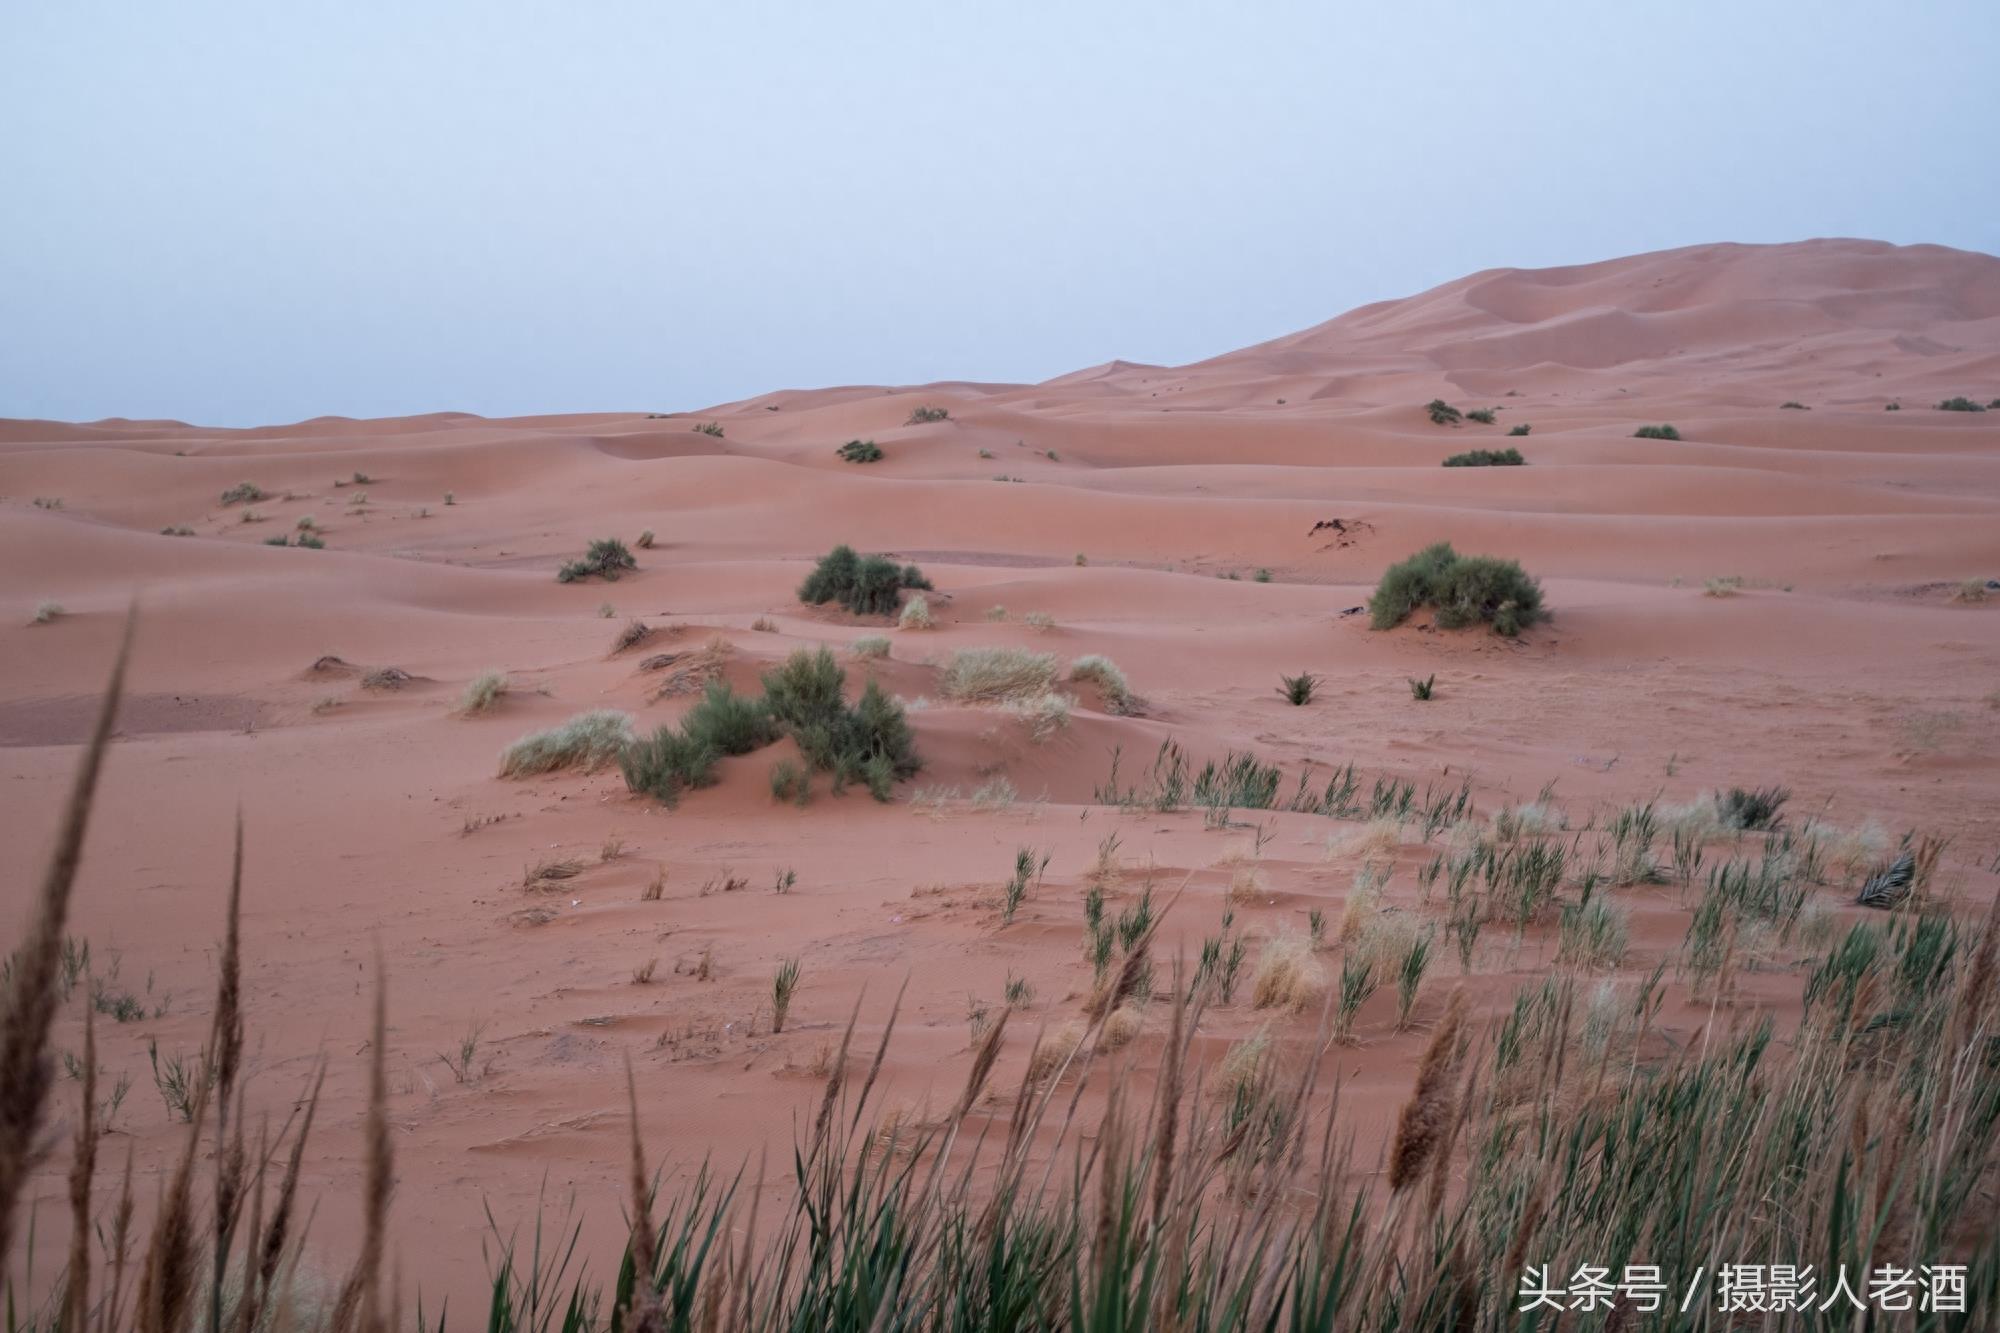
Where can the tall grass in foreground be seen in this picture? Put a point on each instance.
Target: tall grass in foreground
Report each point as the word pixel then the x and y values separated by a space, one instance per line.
pixel 1570 1134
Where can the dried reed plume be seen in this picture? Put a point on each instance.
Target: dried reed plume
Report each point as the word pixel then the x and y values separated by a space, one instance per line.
pixel 25 1069
pixel 1426 1117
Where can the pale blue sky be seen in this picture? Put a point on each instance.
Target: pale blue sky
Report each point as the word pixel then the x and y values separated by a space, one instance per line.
pixel 258 212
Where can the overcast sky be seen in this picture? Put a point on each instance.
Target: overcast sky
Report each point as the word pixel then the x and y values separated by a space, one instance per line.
pixel 248 213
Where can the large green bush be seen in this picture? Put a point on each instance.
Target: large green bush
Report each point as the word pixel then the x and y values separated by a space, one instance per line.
pixel 1462 589
pixel 870 585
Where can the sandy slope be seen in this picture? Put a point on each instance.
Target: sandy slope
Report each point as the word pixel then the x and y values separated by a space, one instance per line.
pixel 1844 670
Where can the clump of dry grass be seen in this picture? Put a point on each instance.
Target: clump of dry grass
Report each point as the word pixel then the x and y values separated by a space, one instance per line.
pixel 870 646
pixel 1724 587
pixel 1247 885
pixel 1422 1125
pixel 483 692
pixel 997 675
pixel 1045 714
pixel 1102 672
pixel 1039 620
pixel 588 741
pixel 1363 905
pixel 1378 838
pixel 1971 590
pixel 1054 1050
pixel 635 633
pixel 1121 1025
pixel 1287 975
pixel 916 614
pixel 46 611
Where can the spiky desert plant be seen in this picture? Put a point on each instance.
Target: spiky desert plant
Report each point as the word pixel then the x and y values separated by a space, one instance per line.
pixel 1298 690
pixel 784 982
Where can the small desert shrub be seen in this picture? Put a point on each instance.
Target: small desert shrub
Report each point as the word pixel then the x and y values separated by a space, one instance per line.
pixel 252 516
pixel 1971 590
pixel 996 613
pixel 870 742
pixel 1102 672
pixel 1755 809
pixel 729 723
pixel 710 428
pixel 244 492
pixel 1287 976
pixel 860 451
pixel 644 542
pixel 1959 404
pixel 305 523
pixel 47 610
pixel 1040 620
pixel 278 540
pixel 1522 429
pixel 1442 413
pixel 873 645
pixel 997 675
pixel 916 614
pixel 177 531
pixel 588 740
pixel 1298 690
pixel 483 692
pixel 635 633
pixel 1486 458
pixel 1661 432
pixel 666 764
pixel 310 542
pixel 1463 589
pixel 1422 690
pixel 607 558
pixel 1794 405
pixel 1483 415
pixel 923 416
pixel 1892 407
pixel 790 782
pixel 866 585
pixel 1724 587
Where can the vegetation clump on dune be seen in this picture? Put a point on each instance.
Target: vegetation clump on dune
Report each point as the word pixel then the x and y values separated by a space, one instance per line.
pixel 588 741
pixel 1483 415
pixel 860 451
pixel 1443 413
pixel 1462 589
pixel 244 492
pixel 1662 432
pixel 870 585
pixel 607 558
pixel 997 675
pixel 1102 672
pixel 923 416
pixel 1960 404
pixel 1486 458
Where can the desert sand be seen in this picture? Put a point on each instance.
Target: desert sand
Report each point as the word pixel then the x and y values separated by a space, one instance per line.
pixel 1165 517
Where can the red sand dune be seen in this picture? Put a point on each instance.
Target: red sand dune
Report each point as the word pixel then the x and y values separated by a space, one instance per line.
pixel 1110 499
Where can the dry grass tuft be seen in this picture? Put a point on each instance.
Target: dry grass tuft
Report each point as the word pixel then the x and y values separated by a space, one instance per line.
pixel 916 614
pixel 1121 1025
pixel 635 633
pixel 483 692
pixel 870 646
pixel 997 675
pixel 1054 1050
pixel 47 611
pixel 1102 672
pixel 1378 838
pixel 588 741
pixel 1288 976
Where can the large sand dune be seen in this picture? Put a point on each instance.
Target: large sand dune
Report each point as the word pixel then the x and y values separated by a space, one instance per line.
pixel 1162 516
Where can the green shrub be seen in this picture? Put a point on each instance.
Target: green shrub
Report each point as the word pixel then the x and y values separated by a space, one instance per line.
pixel 1423 690
pixel 310 542
pixel 1793 405
pixel 790 782
pixel 1442 413
pixel 923 416
pixel 278 540
pixel 607 558
pixel 1666 432
pixel 729 723
pixel 1522 429
pixel 1298 690
pixel 588 740
pixel 870 743
pixel 1892 407
pixel 666 764
pixel 1487 458
pixel 1463 590
pixel 1959 404
pixel 865 585
pixel 710 428
pixel 1483 415
pixel 244 492
pixel 805 690
pixel 860 451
